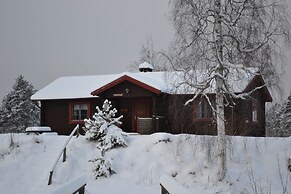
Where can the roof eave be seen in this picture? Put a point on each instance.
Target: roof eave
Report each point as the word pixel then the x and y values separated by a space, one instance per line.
pixel 260 79
pixel 64 98
pixel 122 79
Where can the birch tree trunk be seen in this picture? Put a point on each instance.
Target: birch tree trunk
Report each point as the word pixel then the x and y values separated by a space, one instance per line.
pixel 219 91
pixel 219 41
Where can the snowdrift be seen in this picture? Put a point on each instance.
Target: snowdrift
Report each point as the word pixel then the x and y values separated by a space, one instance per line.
pixel 255 165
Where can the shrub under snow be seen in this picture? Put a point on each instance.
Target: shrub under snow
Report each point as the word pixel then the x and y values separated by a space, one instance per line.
pixel 103 127
pixel 102 167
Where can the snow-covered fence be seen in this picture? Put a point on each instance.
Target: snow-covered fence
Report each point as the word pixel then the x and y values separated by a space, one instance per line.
pixel 62 152
pixel 75 186
pixel 170 186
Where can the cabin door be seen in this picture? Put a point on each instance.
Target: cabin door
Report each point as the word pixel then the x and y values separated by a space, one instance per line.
pixel 140 108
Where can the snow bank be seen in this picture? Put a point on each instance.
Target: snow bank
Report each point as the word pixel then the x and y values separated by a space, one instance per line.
pixel 254 164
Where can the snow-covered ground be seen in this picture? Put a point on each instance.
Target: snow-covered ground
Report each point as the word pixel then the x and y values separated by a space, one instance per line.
pixel 255 165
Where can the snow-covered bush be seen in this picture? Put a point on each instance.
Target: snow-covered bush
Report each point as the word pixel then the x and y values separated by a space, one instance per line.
pixel 103 128
pixel 102 167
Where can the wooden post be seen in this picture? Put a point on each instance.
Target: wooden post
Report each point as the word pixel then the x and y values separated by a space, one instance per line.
pixel 154 126
pixel 163 190
pixel 64 154
pixel 82 190
pixel 78 132
pixel 50 178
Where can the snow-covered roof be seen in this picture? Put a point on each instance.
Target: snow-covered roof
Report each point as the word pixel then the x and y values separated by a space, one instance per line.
pixel 77 87
pixel 74 87
pixel 145 65
pixel 237 80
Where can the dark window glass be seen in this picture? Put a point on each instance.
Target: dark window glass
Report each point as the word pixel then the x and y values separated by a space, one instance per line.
pixel 255 110
pixel 203 109
pixel 80 111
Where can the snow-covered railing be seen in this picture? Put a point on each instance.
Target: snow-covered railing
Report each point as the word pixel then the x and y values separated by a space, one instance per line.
pixel 170 186
pixel 75 186
pixel 62 152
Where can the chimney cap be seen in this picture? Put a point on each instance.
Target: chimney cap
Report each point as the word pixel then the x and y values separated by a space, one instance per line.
pixel 145 67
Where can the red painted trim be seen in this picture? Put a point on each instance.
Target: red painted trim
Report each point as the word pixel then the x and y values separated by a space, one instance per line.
pixel 122 79
pixel 260 80
pixel 70 111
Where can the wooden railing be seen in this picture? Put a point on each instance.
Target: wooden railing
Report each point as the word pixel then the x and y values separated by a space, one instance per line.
pixel 75 186
pixel 62 152
pixel 170 186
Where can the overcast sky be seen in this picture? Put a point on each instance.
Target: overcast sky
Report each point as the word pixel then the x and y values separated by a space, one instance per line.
pixel 46 39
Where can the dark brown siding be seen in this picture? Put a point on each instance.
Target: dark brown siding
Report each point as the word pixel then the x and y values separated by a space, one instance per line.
pixel 55 114
pixel 122 97
pixel 238 117
pixel 126 89
pixel 173 116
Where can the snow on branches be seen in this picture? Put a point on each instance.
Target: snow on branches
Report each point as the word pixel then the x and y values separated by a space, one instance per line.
pixel 102 167
pixel 103 127
pixel 18 111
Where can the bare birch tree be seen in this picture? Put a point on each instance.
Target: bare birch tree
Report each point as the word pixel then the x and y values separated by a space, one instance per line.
pixel 149 54
pixel 216 37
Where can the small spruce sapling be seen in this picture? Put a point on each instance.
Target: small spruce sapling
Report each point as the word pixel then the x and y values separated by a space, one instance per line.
pixel 103 129
pixel 102 165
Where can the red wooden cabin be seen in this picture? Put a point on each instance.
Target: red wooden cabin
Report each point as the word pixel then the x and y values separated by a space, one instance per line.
pixel 148 104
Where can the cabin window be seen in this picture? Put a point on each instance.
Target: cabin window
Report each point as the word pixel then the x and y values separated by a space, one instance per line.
pixel 202 110
pixel 255 110
pixel 79 112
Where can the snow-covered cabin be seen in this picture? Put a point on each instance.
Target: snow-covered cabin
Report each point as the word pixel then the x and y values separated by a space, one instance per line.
pixel 150 102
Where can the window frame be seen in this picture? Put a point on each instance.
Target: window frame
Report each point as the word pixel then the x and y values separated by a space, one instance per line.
pixel 202 105
pixel 255 109
pixel 71 111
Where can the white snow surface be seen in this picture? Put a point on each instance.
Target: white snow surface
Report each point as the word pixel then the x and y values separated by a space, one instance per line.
pixel 78 87
pixel 75 87
pixel 38 129
pixel 253 163
pixel 236 79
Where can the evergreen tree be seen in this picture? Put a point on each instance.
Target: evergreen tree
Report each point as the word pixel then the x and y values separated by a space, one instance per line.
pixel 274 119
pixel 18 111
pixel 286 118
pixel 102 128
